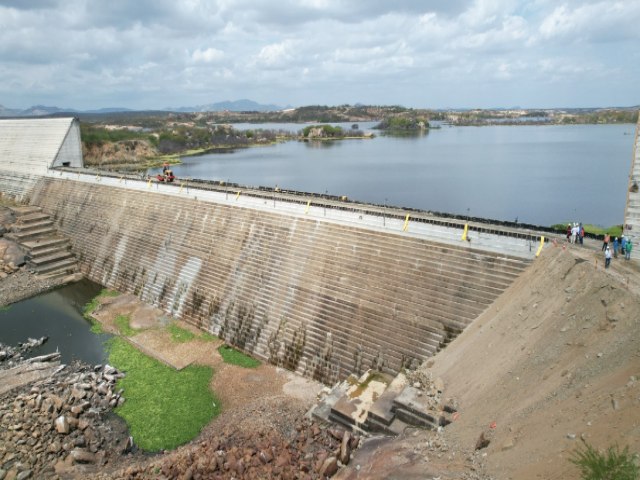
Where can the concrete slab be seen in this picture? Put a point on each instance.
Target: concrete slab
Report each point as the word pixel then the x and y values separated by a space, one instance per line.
pixel 354 406
pixel 382 408
pixel 322 410
pixel 417 403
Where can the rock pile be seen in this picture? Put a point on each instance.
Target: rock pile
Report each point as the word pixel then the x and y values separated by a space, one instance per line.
pixel 313 451
pixel 51 425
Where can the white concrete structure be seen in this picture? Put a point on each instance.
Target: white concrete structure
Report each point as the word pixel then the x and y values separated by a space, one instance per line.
pixel 632 211
pixel 29 147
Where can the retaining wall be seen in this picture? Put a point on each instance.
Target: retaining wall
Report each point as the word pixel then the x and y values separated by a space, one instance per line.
pixel 320 298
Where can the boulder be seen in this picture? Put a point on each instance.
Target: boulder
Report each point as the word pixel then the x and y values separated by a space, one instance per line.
pixel 80 455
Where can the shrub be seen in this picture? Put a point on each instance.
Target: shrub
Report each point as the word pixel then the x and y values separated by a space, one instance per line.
pixel 612 465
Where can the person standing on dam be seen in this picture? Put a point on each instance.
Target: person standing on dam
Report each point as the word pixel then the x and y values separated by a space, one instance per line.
pixel 607 257
pixel 607 239
pixel 627 250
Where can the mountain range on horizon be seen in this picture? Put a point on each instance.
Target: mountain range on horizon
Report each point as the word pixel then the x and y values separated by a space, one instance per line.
pixel 243 105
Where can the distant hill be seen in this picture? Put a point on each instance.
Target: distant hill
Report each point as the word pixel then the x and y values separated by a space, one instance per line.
pixel 243 105
pixel 34 111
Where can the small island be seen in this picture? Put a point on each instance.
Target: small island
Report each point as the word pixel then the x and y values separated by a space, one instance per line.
pixel 329 132
pixel 403 125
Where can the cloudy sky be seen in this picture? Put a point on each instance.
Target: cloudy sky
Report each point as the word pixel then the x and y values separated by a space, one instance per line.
pixel 150 54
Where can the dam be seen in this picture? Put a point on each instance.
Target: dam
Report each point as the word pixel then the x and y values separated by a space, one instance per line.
pixel 319 285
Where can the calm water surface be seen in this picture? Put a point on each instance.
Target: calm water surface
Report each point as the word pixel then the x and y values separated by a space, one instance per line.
pixel 538 174
pixel 58 315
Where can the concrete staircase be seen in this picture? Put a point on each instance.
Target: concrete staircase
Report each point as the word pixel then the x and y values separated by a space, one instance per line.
pixel 48 253
pixel 322 299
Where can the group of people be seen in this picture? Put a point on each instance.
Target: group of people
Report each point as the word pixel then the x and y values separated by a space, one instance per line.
pixel 624 246
pixel 167 174
pixel 575 233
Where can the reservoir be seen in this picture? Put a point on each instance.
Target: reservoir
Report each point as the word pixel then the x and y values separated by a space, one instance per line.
pixel 537 174
pixel 57 315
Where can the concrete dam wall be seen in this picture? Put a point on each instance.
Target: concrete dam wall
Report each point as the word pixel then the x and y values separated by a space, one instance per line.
pixel 316 297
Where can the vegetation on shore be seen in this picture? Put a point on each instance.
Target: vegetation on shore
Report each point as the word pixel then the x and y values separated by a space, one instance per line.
pixel 403 125
pixel 164 408
pixel 614 231
pixel 89 308
pixel 148 139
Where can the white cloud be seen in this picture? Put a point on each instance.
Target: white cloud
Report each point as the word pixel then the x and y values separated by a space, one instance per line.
pixel 76 52
pixel 208 55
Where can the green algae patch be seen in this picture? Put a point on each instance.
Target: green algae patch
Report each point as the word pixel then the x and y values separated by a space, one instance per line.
pixel 163 407
pixel 208 337
pixel 89 308
pixel 236 357
pixel 180 335
pixel 123 323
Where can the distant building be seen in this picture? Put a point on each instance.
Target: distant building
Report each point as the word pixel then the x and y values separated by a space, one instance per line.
pixel 29 147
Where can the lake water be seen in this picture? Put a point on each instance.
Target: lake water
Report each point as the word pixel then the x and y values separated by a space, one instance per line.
pixel 57 315
pixel 537 174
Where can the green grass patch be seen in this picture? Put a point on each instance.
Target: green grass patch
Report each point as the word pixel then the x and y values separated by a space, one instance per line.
pixel 93 304
pixel 96 327
pixel 180 335
pixel 208 337
pixel 613 464
pixel 89 308
pixel 236 357
pixel 123 325
pixel 164 408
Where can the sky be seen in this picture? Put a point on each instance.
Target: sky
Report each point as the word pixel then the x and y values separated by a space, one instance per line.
pixel 154 54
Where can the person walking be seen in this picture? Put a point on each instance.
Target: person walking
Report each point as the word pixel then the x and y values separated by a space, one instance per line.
pixel 607 257
pixel 574 233
pixel 581 234
pixel 627 250
pixel 623 244
pixel 615 247
pixel 607 239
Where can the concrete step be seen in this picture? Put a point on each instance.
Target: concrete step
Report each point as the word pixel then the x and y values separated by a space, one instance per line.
pixel 32 218
pixel 353 407
pixel 381 412
pixel 45 244
pixel 25 210
pixel 32 226
pixel 416 407
pixel 51 258
pixel 45 252
pixel 22 237
pixel 68 265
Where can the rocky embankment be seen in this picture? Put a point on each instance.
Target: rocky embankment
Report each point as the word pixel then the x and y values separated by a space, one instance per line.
pixel 60 422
